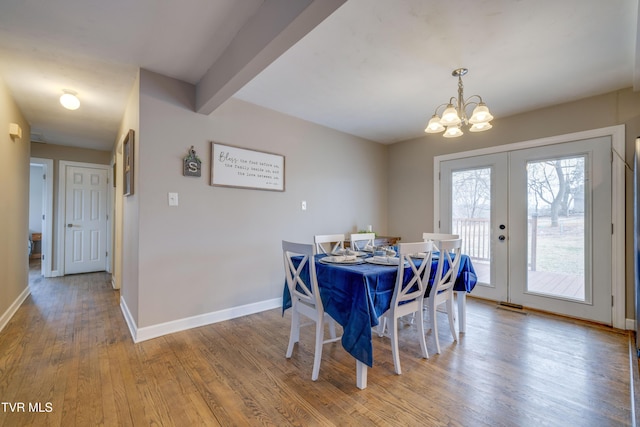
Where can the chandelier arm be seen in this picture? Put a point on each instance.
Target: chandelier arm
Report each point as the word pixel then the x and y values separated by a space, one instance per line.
pixel 470 102
pixel 438 107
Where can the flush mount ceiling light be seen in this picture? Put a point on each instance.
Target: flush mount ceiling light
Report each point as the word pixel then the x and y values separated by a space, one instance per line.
pixel 69 100
pixel 454 115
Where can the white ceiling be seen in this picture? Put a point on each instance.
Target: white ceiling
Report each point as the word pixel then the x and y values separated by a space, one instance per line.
pixel 373 68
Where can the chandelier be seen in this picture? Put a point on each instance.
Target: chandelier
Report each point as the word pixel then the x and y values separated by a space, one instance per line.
pixel 454 115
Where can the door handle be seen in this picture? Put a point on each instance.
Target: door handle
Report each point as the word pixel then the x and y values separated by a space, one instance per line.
pixel 72 225
pixel 501 237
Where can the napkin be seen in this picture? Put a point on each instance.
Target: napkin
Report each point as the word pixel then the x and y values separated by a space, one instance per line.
pixel 347 252
pixel 345 258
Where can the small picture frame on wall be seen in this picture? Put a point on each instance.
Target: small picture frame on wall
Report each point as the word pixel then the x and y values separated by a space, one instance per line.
pixel 127 164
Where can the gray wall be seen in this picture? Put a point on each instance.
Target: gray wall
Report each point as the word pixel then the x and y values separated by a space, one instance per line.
pixel 14 210
pixel 220 248
pixel 411 162
pixel 126 221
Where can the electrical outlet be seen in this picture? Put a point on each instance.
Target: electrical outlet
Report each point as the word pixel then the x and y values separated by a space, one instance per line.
pixel 303 205
pixel 173 199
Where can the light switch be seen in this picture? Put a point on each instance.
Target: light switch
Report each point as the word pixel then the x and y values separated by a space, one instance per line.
pixel 303 205
pixel 173 199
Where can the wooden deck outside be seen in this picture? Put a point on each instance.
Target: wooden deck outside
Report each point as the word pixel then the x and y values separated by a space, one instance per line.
pixel 557 284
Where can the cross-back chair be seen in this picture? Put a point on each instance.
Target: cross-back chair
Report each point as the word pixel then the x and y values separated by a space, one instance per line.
pixel 359 241
pixel 442 289
pixel 334 241
pixel 436 237
pixel 414 268
pixel 300 272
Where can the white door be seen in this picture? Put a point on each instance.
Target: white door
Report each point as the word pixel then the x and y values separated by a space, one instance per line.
pixel 473 204
pixel 85 220
pixel 537 224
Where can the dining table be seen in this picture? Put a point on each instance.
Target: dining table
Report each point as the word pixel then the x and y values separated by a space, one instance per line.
pixel 355 295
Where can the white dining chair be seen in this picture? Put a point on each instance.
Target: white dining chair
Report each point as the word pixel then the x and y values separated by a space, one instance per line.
pixel 334 241
pixel 359 241
pixel 305 299
pixel 441 291
pixel 408 295
pixel 436 237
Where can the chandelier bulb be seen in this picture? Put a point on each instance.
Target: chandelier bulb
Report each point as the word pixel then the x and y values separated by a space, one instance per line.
pixel 480 127
pixel 434 125
pixel 453 132
pixel 481 114
pixel 450 116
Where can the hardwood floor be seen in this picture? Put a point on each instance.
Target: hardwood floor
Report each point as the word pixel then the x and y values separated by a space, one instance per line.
pixel 69 350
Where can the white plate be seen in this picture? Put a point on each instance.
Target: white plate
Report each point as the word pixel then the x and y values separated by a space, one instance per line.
pixel 340 260
pixel 356 253
pixel 392 262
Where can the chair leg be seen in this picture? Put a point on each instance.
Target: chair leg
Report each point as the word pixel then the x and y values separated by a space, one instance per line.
pixel 294 335
pixel 452 318
pixel 317 357
pixel 434 325
pixel 332 327
pixel 381 325
pixel 421 333
pixel 393 334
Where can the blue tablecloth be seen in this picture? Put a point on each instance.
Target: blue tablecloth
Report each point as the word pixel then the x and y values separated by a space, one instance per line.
pixel 357 295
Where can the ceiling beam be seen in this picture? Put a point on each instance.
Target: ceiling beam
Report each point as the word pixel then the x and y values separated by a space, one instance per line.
pixel 275 27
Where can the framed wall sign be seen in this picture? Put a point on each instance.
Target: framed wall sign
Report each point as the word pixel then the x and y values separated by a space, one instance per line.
pixel 243 168
pixel 127 164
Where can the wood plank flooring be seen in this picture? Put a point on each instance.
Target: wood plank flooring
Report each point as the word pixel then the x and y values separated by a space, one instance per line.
pixel 69 347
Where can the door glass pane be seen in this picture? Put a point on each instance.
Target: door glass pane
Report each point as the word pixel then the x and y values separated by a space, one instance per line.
pixel 556 230
pixel 471 217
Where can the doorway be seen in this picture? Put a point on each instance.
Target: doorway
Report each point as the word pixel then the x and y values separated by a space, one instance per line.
pixel 41 211
pixel 537 222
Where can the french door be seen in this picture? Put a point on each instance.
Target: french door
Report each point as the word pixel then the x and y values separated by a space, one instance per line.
pixel 537 225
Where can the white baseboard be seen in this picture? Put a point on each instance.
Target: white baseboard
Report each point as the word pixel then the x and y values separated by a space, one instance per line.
pixel 129 319
pixel 7 315
pixel 630 324
pixel 154 331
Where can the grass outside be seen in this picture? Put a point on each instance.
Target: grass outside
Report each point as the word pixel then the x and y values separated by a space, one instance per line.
pixel 560 249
